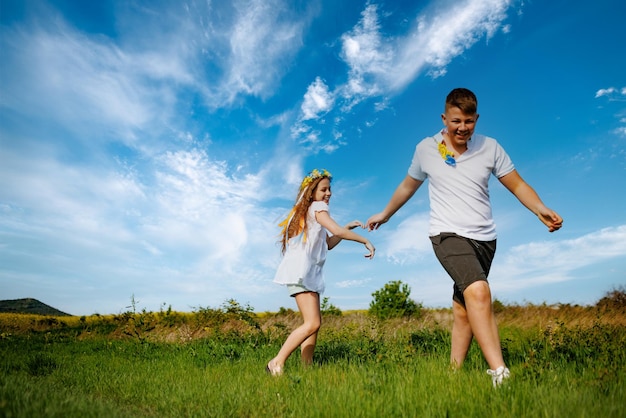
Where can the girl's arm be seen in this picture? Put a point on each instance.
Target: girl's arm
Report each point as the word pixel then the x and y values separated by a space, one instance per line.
pixel 341 233
pixel 334 240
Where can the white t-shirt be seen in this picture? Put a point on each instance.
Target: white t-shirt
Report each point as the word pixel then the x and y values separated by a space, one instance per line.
pixel 304 259
pixel 459 194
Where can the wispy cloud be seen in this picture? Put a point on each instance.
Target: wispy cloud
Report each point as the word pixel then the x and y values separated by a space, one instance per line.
pixel 613 94
pixel 540 263
pixel 605 92
pixel 429 46
pixel 57 74
pixel 345 284
pixel 524 267
pixel 368 56
pixel 317 100
pixel 263 39
pixel 380 65
pixel 161 196
pixel 190 226
pixel 408 243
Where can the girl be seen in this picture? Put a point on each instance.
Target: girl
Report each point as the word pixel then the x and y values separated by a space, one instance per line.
pixel 308 233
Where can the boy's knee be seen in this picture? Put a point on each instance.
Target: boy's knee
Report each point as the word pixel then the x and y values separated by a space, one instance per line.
pixel 478 292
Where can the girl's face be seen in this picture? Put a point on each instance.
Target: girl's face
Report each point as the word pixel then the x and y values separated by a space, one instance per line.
pixel 322 191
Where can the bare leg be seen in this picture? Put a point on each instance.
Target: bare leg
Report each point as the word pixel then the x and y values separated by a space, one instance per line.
pixel 309 306
pixel 483 322
pixel 307 349
pixel 461 335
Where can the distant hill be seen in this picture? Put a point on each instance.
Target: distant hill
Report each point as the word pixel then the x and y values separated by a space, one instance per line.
pixel 29 306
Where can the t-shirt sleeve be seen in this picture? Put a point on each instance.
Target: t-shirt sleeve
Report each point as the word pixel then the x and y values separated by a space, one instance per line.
pixel 318 206
pixel 415 169
pixel 503 163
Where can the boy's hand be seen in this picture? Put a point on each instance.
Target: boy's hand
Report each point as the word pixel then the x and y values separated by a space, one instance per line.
pixel 375 221
pixel 551 219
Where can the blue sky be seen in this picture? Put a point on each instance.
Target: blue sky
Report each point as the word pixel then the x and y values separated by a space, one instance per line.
pixel 149 148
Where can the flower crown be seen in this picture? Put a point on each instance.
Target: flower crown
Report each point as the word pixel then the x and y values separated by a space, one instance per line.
pixel 315 174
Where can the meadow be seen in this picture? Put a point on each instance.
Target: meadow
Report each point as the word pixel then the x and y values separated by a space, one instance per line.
pixel 566 361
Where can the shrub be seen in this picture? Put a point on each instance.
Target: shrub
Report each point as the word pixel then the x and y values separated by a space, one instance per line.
pixel 282 311
pixel 498 306
pixel 328 308
pixel 614 300
pixel 392 301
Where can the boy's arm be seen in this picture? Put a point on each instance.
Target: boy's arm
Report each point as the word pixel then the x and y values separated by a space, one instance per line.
pixel 529 198
pixel 405 190
pixel 342 233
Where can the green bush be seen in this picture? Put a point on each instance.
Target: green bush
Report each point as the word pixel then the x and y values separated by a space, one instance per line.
pixel 392 301
pixel 328 308
pixel 614 300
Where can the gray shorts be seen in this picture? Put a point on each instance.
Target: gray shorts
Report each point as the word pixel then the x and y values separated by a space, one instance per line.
pixel 466 260
pixel 294 289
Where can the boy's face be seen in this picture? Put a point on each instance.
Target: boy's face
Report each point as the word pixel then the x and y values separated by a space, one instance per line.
pixel 460 125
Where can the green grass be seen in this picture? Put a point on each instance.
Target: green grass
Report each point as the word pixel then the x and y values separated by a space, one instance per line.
pixel 212 365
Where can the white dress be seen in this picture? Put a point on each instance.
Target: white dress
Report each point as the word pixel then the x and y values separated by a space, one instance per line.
pixel 304 260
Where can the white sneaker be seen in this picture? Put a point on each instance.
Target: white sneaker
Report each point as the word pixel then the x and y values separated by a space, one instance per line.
pixel 498 375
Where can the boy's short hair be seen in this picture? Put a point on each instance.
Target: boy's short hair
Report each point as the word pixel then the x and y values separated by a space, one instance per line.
pixel 464 99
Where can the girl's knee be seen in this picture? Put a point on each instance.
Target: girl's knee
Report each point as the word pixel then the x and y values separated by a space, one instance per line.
pixel 313 326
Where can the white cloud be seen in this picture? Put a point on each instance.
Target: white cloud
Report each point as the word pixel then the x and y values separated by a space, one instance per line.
pixel 384 65
pixel 615 95
pixel 58 74
pixel 347 284
pixel 612 93
pixel 158 216
pixel 407 243
pixel 186 228
pixel 439 37
pixel 220 51
pixel 538 263
pixel 379 66
pixel 367 56
pixel 263 39
pixel 317 100
pixel 605 92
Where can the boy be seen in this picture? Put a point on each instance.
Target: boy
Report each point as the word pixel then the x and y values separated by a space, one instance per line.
pixel 458 165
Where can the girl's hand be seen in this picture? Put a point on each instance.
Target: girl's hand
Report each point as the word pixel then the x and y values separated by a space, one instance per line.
pixel 353 225
pixel 371 249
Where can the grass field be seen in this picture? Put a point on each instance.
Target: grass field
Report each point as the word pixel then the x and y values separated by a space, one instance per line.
pixel 566 361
